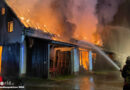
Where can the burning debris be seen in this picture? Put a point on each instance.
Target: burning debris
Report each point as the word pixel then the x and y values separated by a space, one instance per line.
pixel 66 19
pixel 41 46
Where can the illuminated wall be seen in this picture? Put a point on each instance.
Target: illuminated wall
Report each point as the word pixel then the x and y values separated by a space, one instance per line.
pixel 0 57
pixel 84 59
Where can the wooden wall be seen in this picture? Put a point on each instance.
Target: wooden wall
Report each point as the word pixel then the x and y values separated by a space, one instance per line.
pixel 10 60
pixel 5 36
pixel 37 58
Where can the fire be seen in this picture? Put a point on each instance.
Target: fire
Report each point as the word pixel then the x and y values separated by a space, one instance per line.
pixel 97 39
pixel 0 57
pixel 84 58
pixel 22 18
pixel 24 21
pixel 43 16
pixel 27 20
pixel 98 43
pixel 76 21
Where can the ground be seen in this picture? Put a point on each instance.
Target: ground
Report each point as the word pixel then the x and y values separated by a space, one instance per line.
pixel 95 81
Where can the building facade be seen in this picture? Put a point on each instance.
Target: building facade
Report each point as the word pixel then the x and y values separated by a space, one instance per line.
pixel 29 52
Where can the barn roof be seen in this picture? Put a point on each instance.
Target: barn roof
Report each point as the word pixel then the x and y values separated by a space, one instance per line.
pixel 37 33
pixel 29 31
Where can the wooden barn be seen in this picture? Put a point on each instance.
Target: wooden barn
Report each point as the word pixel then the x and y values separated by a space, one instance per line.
pixel 29 52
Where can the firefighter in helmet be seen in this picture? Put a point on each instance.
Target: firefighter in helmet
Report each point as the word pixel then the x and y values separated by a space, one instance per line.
pixel 126 74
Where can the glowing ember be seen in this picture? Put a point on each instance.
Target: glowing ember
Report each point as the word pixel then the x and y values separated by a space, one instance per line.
pixel 77 20
pixel 22 18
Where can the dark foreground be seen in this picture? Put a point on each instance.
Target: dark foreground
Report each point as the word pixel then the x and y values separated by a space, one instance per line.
pixel 98 81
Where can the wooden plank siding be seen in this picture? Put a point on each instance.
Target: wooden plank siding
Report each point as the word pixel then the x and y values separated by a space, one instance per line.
pixel 10 60
pixel 37 58
pixel 17 27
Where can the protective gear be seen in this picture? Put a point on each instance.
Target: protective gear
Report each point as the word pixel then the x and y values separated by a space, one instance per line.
pixel 126 74
pixel 128 60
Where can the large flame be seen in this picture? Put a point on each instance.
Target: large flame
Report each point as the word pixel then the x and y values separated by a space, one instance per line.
pixel 65 19
pixel 53 18
pixel 84 58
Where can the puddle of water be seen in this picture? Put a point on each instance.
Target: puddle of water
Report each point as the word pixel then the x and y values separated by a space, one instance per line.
pixel 110 81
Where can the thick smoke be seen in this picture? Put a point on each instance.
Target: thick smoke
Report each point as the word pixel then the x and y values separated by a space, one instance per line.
pixel 63 12
pixel 77 19
pixel 106 10
pixel 66 18
pixel 114 21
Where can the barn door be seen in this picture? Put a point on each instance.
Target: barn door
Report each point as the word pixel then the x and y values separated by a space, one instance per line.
pixel 62 64
pixel 37 59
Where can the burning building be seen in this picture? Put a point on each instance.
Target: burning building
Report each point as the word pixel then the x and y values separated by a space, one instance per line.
pixel 33 52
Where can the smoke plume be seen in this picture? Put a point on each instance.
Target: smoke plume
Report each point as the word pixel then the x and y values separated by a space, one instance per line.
pixel 80 19
pixel 65 18
pixel 114 27
pixel 106 10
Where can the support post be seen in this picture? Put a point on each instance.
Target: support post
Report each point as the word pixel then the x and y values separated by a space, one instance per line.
pixel 76 61
pixel 90 61
pixel 23 57
pixel 72 61
pixel 48 60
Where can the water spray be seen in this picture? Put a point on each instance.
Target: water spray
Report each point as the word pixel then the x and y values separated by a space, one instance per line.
pixel 84 44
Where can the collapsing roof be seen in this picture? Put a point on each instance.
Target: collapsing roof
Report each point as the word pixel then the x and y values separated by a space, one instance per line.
pixel 29 31
pixel 37 33
pixel 28 24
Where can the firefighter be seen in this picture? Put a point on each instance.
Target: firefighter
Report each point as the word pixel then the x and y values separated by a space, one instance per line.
pixel 126 74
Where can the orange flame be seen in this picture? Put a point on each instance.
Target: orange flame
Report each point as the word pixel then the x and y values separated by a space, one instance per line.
pixel 84 58
pixel 45 19
pixel 97 39
pixel 0 57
